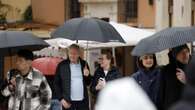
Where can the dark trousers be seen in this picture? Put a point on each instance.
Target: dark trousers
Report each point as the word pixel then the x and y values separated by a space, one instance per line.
pixel 78 105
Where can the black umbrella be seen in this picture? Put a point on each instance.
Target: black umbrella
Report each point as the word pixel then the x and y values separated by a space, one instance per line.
pixel 12 41
pixel 88 29
pixel 165 39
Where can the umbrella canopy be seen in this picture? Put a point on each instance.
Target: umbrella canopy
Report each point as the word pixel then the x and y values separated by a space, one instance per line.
pixel 11 41
pixel 88 29
pixel 130 35
pixel 165 39
pixel 60 42
pixel 52 52
pixel 46 65
pixel 57 48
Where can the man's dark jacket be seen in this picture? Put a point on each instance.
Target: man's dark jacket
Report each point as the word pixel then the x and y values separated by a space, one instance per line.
pixel 63 81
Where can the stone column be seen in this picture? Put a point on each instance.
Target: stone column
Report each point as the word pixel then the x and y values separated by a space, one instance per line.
pixel 182 10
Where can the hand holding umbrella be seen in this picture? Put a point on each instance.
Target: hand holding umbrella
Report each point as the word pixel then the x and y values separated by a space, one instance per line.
pixel 86 71
pixel 12 84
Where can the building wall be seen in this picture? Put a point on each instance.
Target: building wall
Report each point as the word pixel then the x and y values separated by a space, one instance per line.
pixel 182 12
pixel 87 1
pixel 114 9
pixel 49 11
pixel 9 63
pixel 14 9
pixel 100 10
pixel 146 14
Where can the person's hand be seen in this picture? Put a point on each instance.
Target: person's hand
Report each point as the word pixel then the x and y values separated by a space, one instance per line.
pixel 13 81
pixel 11 87
pixel 12 84
pixel 101 84
pixel 181 75
pixel 65 104
pixel 98 87
pixel 86 71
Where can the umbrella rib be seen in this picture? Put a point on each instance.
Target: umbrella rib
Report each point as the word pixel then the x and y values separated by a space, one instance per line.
pixel 100 28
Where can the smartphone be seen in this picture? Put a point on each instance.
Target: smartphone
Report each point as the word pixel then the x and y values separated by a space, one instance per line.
pixel 101 79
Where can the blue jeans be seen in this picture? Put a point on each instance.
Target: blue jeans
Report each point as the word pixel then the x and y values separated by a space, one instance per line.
pixel 55 105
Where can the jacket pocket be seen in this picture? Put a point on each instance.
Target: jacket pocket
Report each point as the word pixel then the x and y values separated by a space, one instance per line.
pixel 32 92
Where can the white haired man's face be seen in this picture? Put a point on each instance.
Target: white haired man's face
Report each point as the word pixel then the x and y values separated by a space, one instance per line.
pixel 74 55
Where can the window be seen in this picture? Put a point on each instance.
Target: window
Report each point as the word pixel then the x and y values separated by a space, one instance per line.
pixel 131 8
pixel 127 10
pixel 192 18
pixel 151 2
pixel 74 8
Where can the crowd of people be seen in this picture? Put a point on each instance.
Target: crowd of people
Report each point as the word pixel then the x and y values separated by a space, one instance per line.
pixel 152 87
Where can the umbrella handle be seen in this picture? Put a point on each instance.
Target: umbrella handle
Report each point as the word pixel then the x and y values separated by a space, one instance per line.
pixel 114 55
pixel 87 51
